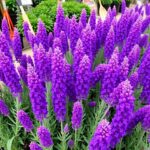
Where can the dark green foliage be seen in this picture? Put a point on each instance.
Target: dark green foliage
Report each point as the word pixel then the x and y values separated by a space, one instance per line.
pixel 46 11
pixel 11 5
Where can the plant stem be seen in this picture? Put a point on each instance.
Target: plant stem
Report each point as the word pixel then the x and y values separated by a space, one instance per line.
pixel 138 144
pixel 63 137
pixel 17 122
pixel 75 140
pixel 105 113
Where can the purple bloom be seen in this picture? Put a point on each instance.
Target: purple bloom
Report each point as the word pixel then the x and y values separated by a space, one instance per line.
pixel 93 44
pixel 147 9
pixel 30 61
pixel 24 120
pixel 50 39
pixel 123 6
pixel 83 78
pixel 124 112
pixel 93 19
pixel 67 26
pixel 58 44
pixel 98 73
pixel 38 99
pixel 23 61
pixel 34 146
pixel 17 45
pixel 132 39
pixel 145 23
pixel 98 31
pixel 144 41
pixel 44 136
pixel 77 115
pixel 64 42
pixel 80 28
pixel 109 44
pixel 109 81
pixel 32 39
pixel 78 55
pixel 70 143
pixel 23 74
pixel 134 56
pixel 86 41
pixel 60 18
pixel 3 108
pixel 74 33
pixel 11 77
pixel 5 30
pixel 92 104
pixel 66 129
pixel 134 79
pixel 59 84
pixel 26 29
pixel 41 35
pixel 101 137
pixel 83 18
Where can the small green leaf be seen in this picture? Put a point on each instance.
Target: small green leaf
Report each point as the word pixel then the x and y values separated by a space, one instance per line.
pixel 9 143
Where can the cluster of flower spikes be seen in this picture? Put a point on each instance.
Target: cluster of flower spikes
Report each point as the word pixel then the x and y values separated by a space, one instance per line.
pixel 38 99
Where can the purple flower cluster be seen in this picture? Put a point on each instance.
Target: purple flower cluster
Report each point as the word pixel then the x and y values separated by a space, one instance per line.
pixel 4 110
pixel 34 146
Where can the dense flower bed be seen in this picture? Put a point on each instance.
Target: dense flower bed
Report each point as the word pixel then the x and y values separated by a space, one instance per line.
pixel 87 85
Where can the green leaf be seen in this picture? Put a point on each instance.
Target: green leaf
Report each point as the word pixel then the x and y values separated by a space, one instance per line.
pixel 9 143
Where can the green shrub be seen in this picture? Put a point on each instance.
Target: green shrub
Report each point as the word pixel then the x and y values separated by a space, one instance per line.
pixel 106 2
pixel 46 11
pixel 11 5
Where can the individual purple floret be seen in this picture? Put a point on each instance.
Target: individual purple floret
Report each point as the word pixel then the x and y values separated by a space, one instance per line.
pixel 134 56
pixel 26 29
pixel 132 39
pixel 59 84
pixel 123 70
pixel 144 41
pixel 98 74
pixel 24 120
pixel 78 55
pixel 93 19
pixel 74 33
pixel 77 115
pixel 134 79
pixel 58 44
pixel 23 74
pixel 3 108
pixel 17 45
pixel 60 18
pixel 86 41
pixel 83 18
pixel 44 137
pixel 71 143
pixel 50 39
pixel 109 44
pixel 92 104
pixel 101 137
pixel 93 44
pixel 98 31
pixel 38 99
pixel 34 146
pixel 64 42
pixel 123 6
pixel 11 77
pixel 145 24
pixel 124 112
pixel 5 31
pixel 66 129
pixel 83 78
pixel 41 35
pixel 110 78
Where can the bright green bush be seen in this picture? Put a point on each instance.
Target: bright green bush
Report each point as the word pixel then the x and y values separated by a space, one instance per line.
pixel 46 11
pixel 11 5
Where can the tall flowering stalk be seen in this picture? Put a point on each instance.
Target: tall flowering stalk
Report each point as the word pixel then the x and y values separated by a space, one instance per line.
pixel 93 19
pixel 58 84
pixel 123 6
pixel 38 99
pixel 83 78
pixel 83 17
pixel 64 42
pixel 26 29
pixel 98 31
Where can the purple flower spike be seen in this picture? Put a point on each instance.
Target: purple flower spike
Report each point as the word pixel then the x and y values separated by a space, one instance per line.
pixel 92 104
pixel 77 115
pixel 144 41
pixel 24 120
pixel 145 24
pixel 123 6
pixel 50 39
pixel 74 33
pixel 23 74
pixel 23 61
pixel 26 29
pixel 44 136
pixel 58 44
pixel 34 146
pixel 60 18
pixel 134 56
pixel 83 78
pixel 101 137
pixel 134 80
pixel 56 31
pixel 11 77
pixel 109 44
pixel 64 42
pixel 83 17
pixel 86 40
pixel 93 19
pixel 59 84
pixel 38 99
pixel 109 81
pixel 3 108
pixel 17 45
pixel 66 129
pixel 5 30
pixel 41 35
pixel 93 44
pixel 80 28
pixel 32 39
pixel 71 143
pixel 124 112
